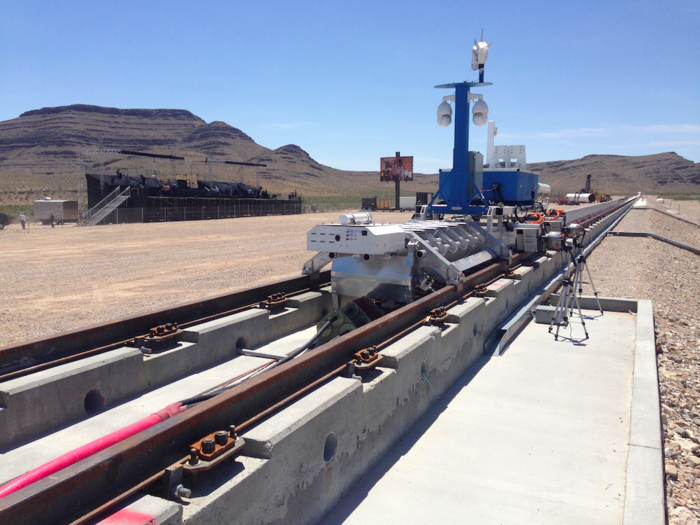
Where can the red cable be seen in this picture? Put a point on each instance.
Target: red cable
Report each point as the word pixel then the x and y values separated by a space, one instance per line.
pixel 88 450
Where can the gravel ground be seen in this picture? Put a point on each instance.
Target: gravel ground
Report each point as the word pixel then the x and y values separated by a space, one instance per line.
pixel 670 277
pixel 54 280
pixel 689 210
pixel 61 279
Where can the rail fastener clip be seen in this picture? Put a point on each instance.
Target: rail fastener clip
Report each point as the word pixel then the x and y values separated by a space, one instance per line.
pixel 274 302
pixel 213 449
pixel 159 338
pixel 366 359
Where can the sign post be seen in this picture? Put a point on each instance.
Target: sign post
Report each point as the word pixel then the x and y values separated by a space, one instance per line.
pixel 396 169
pixel 397 180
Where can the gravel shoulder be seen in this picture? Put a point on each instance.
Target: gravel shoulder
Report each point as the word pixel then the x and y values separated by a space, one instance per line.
pixel 669 276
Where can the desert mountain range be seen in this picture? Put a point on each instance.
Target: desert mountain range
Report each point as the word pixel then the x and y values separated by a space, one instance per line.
pixel 38 157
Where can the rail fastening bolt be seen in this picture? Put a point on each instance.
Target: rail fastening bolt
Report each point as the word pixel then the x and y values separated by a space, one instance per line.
pixel 181 492
pixel 208 445
pixel 194 456
pixel 221 438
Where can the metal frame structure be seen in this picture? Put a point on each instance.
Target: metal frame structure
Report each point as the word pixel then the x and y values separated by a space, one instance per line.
pixel 456 185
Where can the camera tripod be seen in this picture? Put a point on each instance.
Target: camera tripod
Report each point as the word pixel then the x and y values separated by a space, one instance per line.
pixel 568 298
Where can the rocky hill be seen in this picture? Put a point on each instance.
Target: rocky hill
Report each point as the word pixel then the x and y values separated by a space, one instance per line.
pixel 38 154
pixel 38 157
pixel 660 173
pixel 218 139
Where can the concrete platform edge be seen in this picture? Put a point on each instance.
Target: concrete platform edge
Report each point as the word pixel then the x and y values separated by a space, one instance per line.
pixel 644 493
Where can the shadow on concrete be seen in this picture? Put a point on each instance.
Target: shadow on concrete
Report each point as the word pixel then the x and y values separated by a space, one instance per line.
pixel 361 488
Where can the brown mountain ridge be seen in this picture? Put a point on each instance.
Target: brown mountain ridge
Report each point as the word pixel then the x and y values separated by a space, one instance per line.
pixel 659 173
pixel 38 156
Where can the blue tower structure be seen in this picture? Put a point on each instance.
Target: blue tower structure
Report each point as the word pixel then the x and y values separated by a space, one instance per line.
pixel 459 187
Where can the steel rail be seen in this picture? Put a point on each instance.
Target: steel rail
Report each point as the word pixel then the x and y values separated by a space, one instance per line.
pixel 102 349
pixel 658 237
pixel 98 478
pixel 123 466
pixel 670 215
pixel 32 356
pixel 250 422
pixel 93 514
pixel 587 221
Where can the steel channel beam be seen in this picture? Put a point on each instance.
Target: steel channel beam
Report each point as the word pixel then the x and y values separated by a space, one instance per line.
pixel 626 203
pixel 661 238
pixel 80 487
pixel 590 220
pixel 595 210
pixel 19 356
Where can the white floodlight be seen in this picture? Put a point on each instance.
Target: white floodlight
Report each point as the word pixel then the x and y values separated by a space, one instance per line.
pixel 444 114
pixel 481 113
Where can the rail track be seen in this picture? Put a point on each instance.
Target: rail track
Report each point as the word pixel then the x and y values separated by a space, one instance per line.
pixel 154 460
pixel 33 356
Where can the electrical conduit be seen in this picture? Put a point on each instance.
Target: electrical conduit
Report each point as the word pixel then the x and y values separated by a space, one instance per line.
pixel 89 449
pixel 120 435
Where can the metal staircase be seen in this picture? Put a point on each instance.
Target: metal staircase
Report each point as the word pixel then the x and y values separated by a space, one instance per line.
pixel 106 206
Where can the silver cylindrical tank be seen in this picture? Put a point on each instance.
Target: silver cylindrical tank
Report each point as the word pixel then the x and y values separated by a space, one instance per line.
pixel 580 197
pixel 355 218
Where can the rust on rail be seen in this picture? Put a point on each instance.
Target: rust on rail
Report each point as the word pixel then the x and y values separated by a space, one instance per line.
pixel 98 478
pixel 16 360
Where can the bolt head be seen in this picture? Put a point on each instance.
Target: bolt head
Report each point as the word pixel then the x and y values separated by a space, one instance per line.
pixel 221 438
pixel 181 492
pixel 208 445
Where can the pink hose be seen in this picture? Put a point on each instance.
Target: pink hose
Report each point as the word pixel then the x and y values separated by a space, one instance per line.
pixel 88 450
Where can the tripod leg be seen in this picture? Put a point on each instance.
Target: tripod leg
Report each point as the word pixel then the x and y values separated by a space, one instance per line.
pixel 595 292
pixel 558 311
pixel 579 280
pixel 564 300
pixel 559 314
pixel 575 285
pixel 556 318
pixel 580 313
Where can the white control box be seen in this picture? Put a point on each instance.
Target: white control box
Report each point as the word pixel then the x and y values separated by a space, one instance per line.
pixel 372 240
pixel 526 236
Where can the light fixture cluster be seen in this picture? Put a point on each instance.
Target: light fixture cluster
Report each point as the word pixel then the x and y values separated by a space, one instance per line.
pixel 480 110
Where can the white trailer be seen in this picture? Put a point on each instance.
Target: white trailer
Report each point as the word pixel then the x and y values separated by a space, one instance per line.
pixel 407 203
pixel 63 211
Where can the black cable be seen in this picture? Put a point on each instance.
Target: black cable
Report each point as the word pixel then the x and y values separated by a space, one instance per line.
pixel 203 397
pixel 500 193
pixel 518 218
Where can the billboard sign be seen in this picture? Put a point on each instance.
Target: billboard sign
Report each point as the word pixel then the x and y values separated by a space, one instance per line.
pixel 396 168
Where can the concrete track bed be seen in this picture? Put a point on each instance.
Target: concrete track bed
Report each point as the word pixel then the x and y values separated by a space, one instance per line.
pixel 300 461
pixel 64 394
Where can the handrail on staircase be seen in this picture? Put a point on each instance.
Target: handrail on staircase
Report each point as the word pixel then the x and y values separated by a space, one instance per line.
pixel 97 207
pixel 104 203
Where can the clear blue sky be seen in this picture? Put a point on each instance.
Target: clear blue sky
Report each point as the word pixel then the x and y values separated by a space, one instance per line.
pixel 353 81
